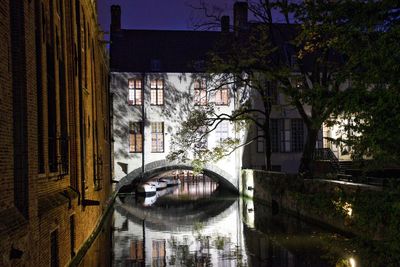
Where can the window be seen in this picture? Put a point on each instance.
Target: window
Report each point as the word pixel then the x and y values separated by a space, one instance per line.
pixel 157 137
pixel 222 131
pixel 135 137
pixel 222 97
pixel 320 140
pixel 52 117
pixel 277 135
pixel 135 92
pixel 297 140
pixel 54 260
pixel 294 62
pixel 136 251
pixel 155 65
pixel 158 252
pixel 200 93
pixel 72 234
pixel 260 140
pixel 157 92
pixel 274 135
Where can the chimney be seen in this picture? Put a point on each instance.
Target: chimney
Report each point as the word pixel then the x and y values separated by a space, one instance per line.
pixel 115 18
pixel 240 15
pixel 225 24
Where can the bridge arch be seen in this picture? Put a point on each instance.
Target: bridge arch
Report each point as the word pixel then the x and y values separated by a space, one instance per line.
pixel 157 167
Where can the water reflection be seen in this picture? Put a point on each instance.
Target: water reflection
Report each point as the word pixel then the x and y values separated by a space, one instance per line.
pixel 196 225
pixel 193 225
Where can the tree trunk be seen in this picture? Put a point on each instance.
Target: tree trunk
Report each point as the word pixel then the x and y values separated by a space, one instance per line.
pixel 267 145
pixel 305 168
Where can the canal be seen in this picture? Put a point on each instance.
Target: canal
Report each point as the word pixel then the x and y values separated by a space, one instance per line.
pixel 196 224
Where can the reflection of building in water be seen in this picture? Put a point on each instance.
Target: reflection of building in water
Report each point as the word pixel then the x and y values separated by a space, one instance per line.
pixel 214 240
pixel 158 253
pixel 263 252
pixel 196 190
pixel 136 252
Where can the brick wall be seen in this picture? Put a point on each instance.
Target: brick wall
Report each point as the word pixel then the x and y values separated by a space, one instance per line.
pixel 53 196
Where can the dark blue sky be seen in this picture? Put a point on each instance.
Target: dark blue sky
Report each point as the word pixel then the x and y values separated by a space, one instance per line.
pixel 157 14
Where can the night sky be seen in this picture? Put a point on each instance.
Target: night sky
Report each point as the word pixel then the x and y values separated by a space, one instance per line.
pixel 158 14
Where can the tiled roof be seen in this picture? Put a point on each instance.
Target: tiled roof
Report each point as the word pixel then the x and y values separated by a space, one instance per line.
pixel 160 50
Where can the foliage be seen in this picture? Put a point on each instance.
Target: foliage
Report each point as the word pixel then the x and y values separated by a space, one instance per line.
pixel 346 66
pixel 369 41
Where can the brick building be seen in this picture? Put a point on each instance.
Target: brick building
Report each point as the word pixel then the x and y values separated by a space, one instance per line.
pixel 54 134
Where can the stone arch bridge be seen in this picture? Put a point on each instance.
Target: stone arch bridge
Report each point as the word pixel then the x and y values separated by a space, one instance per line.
pixel 154 168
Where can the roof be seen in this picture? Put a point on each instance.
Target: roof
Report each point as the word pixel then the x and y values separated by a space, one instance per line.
pixel 160 50
pixel 184 51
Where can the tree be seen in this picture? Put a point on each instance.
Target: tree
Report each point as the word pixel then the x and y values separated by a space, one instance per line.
pixel 238 62
pixel 369 39
pixel 296 55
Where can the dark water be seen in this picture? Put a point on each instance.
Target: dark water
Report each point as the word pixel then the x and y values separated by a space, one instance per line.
pixel 196 225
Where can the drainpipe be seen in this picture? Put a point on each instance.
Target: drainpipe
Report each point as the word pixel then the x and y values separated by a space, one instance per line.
pixel 81 118
pixel 143 123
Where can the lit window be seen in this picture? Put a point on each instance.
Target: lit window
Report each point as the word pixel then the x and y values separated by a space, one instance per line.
pixel 222 97
pixel 156 92
pixel 200 93
pixel 135 137
pixel 135 92
pixel 222 131
pixel 157 137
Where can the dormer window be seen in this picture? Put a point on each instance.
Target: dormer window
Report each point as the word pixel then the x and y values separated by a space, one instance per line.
pixel 155 65
pixel 199 65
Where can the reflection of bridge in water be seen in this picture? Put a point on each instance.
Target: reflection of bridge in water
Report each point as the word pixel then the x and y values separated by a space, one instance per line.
pixel 178 232
pixel 171 214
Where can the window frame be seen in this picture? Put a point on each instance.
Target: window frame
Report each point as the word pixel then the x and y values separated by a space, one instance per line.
pixel 260 140
pixel 200 88
pixel 135 89
pixel 219 99
pixel 297 135
pixel 134 134
pixel 54 249
pixel 156 135
pixel 157 90
pixel 222 131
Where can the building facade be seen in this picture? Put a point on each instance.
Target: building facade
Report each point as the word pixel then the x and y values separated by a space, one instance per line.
pixel 144 61
pixel 55 138
pixel 155 82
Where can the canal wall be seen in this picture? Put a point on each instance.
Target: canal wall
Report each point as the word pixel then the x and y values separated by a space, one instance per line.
pixel 363 210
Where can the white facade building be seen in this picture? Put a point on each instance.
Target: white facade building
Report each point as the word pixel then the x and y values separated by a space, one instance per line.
pixel 148 109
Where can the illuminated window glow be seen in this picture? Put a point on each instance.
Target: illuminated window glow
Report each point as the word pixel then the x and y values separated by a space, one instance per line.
pixel 157 137
pixel 222 97
pixel 200 93
pixel 157 92
pixel 135 137
pixel 135 92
